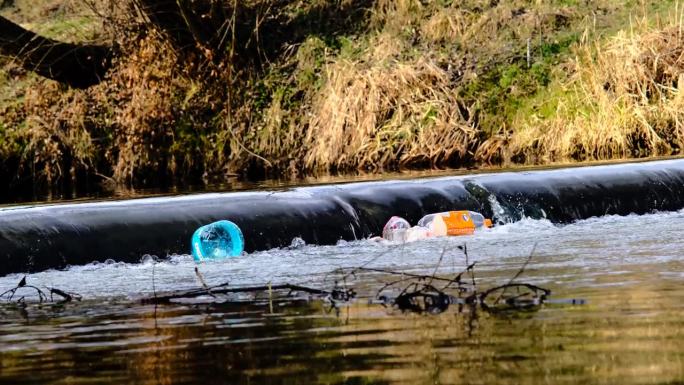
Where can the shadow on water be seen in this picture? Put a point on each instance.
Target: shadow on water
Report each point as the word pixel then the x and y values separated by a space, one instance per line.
pixel 100 190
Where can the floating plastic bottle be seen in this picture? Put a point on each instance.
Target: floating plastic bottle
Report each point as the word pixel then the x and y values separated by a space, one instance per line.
pixel 435 225
pixel 395 229
pixel 398 229
pixel 218 240
pixel 479 220
pixel 461 222
pixel 416 233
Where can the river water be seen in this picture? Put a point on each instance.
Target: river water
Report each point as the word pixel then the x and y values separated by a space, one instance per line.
pixel 629 270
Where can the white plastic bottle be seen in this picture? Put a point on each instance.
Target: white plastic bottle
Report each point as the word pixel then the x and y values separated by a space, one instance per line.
pixel 395 229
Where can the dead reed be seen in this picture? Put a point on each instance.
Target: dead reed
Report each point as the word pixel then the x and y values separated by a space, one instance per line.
pixel 386 114
pixel 622 100
pixel 378 85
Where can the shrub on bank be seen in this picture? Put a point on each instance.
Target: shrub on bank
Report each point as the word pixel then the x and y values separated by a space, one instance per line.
pixel 622 100
pixel 318 86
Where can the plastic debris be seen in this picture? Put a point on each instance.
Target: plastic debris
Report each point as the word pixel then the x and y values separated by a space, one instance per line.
pixel 395 229
pixel 450 223
pixel 218 240
pixel 435 225
pixel 416 233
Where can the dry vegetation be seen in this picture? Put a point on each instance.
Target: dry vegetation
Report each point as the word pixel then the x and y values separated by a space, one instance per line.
pixel 410 84
pixel 623 99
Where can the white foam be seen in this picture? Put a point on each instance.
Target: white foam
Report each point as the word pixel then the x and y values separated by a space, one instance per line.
pixel 609 243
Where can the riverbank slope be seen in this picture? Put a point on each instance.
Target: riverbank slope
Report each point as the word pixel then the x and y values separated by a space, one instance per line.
pixel 318 87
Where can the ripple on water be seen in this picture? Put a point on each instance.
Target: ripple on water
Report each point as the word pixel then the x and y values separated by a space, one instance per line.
pixel 608 243
pixel 629 269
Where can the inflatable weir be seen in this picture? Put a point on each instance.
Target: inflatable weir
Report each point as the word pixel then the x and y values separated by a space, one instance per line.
pixel 35 238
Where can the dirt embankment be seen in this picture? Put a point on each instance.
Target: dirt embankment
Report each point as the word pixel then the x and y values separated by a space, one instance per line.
pixel 301 87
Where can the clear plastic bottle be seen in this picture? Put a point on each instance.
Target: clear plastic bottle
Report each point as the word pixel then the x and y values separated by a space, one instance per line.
pixel 416 233
pixel 218 240
pixel 395 229
pixel 477 218
pixel 435 225
pixel 461 222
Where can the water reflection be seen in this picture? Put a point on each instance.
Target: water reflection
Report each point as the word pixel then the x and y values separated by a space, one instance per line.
pixel 629 269
pixel 103 189
pixel 628 333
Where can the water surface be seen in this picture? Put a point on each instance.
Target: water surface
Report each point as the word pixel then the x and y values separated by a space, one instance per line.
pixel 630 270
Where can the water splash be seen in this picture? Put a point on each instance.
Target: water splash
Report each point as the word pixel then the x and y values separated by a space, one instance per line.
pixel 499 214
pixel 587 246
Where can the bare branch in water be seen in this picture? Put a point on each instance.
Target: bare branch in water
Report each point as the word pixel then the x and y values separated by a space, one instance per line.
pixel 66 297
pixel 21 285
pixel 204 284
pixel 519 273
pixel 419 294
pixel 221 289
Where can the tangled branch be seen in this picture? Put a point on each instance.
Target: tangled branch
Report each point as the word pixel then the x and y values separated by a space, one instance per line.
pixel 418 293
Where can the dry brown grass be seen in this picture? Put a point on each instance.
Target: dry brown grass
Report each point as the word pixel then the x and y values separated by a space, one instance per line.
pixel 384 97
pixel 142 95
pixel 56 139
pixel 450 25
pixel 623 100
pixel 395 103
pixel 384 115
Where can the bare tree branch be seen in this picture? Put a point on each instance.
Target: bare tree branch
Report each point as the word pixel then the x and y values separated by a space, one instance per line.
pixel 77 65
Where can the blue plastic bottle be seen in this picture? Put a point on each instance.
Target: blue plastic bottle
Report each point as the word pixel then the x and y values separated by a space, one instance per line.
pixel 218 240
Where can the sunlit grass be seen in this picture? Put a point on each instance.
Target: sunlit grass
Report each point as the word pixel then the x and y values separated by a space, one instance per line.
pixel 419 84
pixel 622 99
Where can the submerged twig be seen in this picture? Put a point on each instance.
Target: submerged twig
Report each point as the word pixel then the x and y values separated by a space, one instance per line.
pixel 469 267
pixel 204 284
pixel 154 286
pixel 439 263
pixel 519 273
pixel 42 297
pixel 22 284
pixel 67 297
pixel 221 289
pixel 538 296
pixel 423 299
pixel 419 294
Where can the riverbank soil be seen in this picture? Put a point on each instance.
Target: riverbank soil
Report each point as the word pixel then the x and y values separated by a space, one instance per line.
pixel 277 88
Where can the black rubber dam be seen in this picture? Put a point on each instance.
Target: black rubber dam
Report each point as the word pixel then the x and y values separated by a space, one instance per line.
pixel 55 236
